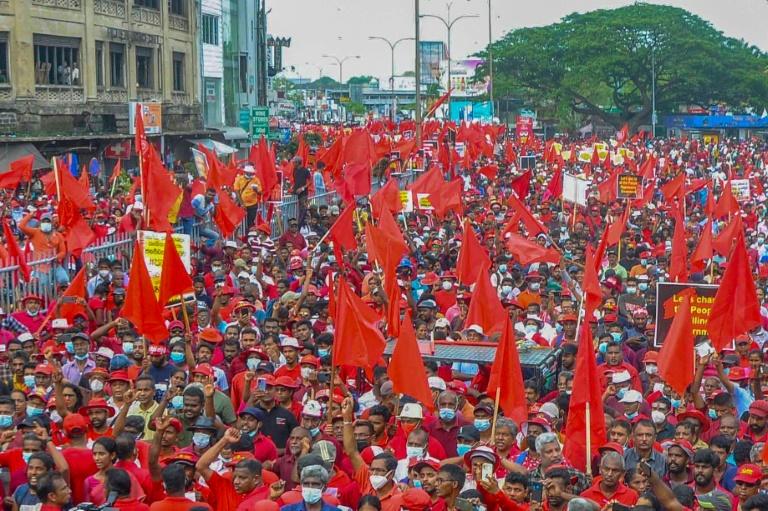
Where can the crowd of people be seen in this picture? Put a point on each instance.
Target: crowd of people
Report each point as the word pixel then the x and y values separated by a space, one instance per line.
pixel 242 408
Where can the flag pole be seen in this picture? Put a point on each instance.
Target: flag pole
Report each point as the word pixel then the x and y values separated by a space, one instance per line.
pixel 57 178
pixel 184 312
pixel 495 412
pixel 588 420
pixel 330 391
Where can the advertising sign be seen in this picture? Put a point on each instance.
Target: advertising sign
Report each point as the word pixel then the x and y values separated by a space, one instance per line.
pixel 153 246
pixel 415 201
pixel 629 186
pixel 524 128
pixel 151 113
pixel 740 189
pixel 575 189
pixel 668 298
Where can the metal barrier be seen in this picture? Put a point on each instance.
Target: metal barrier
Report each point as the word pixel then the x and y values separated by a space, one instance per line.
pixel 120 248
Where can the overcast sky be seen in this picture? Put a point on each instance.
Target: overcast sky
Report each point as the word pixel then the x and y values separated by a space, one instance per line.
pixel 342 27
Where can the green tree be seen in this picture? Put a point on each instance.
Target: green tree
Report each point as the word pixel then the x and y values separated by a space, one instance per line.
pixel 600 63
pixel 356 108
pixel 364 79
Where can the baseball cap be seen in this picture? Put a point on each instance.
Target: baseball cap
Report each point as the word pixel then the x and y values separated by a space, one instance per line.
pixel 411 411
pixel 749 473
pixel 312 408
pixel 469 432
pixel 436 383
pixel 621 377
pixel 631 396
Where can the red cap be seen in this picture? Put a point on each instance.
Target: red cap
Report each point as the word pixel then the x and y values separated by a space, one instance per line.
pixel 97 404
pixel 286 381
pixel 210 335
pixel 611 446
pixel 44 369
pixel 120 376
pixel 758 408
pixel 749 473
pixel 73 422
pixel 651 356
pixel 204 369
pixel 310 360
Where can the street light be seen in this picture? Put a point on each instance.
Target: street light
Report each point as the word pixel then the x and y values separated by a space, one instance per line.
pixel 340 63
pixel 653 91
pixel 392 47
pixel 449 25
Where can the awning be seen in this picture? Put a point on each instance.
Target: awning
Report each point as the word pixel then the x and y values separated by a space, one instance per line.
pixel 11 152
pixel 234 133
pixel 213 145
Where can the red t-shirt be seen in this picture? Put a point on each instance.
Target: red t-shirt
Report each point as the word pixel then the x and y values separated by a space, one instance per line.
pixel 623 494
pixel 176 504
pixel 81 465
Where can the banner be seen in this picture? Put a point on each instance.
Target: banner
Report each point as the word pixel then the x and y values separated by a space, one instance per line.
pixel 524 128
pixel 201 163
pixel 667 300
pixel 575 189
pixel 152 115
pixel 740 190
pixel 118 150
pixel 629 186
pixel 415 201
pixel 153 247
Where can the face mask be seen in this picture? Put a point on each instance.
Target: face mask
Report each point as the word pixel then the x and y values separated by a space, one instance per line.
pixel 662 278
pixel 462 449
pixel 33 314
pixel 82 357
pixel 482 424
pixel 201 440
pixel 128 348
pixel 96 385
pixel 602 347
pixel 378 482
pixel 69 346
pixel 506 289
pixel 616 336
pixel 361 444
pixel 643 262
pixel 177 357
pixel 446 285
pixel 675 403
pixel 414 452
pixel 712 414
pixel 34 412
pixel 447 414
pixel 322 352
pixel 6 421
pixel 215 269
pixel 658 417
pixel 530 329
pixel 103 274
pixel 314 431
pixel 503 268
pixel 651 369
pixel 252 363
pixel 416 483
pixel 620 393
pixel 631 290
pixel 29 380
pixel 46 227
pixel 307 372
pixel 177 402
pixel 631 415
pixel 26 456
pixel 311 495
pixel 535 286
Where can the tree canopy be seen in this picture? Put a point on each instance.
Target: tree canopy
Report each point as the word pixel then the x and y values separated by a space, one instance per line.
pixel 364 79
pixel 600 63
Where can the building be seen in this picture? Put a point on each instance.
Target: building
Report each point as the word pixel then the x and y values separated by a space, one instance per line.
pixel 212 58
pixel 69 68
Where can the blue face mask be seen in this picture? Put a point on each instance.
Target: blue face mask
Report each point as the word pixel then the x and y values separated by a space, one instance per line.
pixel 128 348
pixel 177 402
pixel 69 346
pixel 482 424
pixel 322 352
pixel 6 421
pixel 712 414
pixel 616 336
pixel 82 357
pixel 314 431
pixel 201 440
pixel 177 357
pixel 447 414
pixel 503 268
pixel 631 415
pixel 416 483
pixel 642 286
pixel 620 393
pixel 675 403
pixel 602 347
pixel 34 412
pixel 462 449
pixel 29 381
pixel 26 456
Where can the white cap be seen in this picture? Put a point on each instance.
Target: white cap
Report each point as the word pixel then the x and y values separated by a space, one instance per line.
pixel 60 324
pixel 476 328
pixel 550 409
pixel 230 244
pixel 621 377
pixel 442 323
pixel 631 396
pixel 289 342
pixel 105 352
pixel 312 409
pixel 435 382
pixel 411 411
pixel 25 336
pixel 243 275
pixel 138 206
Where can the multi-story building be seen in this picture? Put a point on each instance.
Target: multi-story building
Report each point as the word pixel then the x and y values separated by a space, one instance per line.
pixel 212 48
pixel 69 68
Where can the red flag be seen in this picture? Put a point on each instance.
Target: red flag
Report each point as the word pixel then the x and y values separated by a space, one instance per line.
pixel 736 309
pixel 532 224
pixel 489 171
pixel 622 135
pixel 359 341
pixel 216 172
pixel 485 309
pixel 727 205
pixel 678 261
pixel 388 196
pixel 554 188
pixel 709 208
pixel 449 199
pixel 586 395
pixel 429 182
pixel 357 163
pixel 174 279
pixel 506 378
pixel 616 229
pixel 140 138
pixel 261 157
pixel 302 151
pixel 676 362
pixel 521 185
pixel 528 252
pixel 116 171
pixel 141 307
pixel 15 252
pixel 442 99
pixel 160 191
pixel 674 188
pixel 406 368
pixel 79 236
pixel 228 215
pixel 341 232
pixel 20 170
pixel 76 289
pixel 593 295
pixel 704 249
pixel 68 187
pixel 722 243
pixel 647 169
pixel 472 256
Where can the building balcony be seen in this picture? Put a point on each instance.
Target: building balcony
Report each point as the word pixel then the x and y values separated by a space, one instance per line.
pixel 114 8
pixel 59 94
pixel 6 92
pixel 112 95
pixel 180 23
pixel 180 98
pixel 148 95
pixel 144 15
pixel 75 5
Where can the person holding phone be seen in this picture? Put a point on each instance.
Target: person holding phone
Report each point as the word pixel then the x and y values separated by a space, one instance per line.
pixel 610 487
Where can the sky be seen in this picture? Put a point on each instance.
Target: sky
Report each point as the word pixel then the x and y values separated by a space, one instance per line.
pixel 342 27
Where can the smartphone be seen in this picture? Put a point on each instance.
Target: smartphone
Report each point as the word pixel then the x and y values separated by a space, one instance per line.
pixel 261 384
pixel 486 471
pixel 537 491
pixel 324 377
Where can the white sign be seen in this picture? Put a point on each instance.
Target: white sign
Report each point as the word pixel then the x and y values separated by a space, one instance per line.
pixel 740 189
pixel 575 189
pixel 153 247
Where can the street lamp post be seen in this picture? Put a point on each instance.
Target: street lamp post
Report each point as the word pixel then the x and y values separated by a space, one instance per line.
pixel 392 47
pixel 490 58
pixel 449 25
pixel 653 91
pixel 417 69
pixel 340 63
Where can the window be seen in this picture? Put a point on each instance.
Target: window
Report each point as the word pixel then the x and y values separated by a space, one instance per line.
pixel 57 60
pixel 177 7
pixel 116 65
pixel 178 71
pixel 144 67
pixel 150 4
pixel 210 29
pixel 99 64
pixel 243 73
pixel 4 78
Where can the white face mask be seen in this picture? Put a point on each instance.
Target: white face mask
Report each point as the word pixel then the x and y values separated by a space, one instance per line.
pixel 307 372
pixel 651 369
pixel 378 482
pixel 447 285
pixel 96 385
pixel 657 417
pixel 46 227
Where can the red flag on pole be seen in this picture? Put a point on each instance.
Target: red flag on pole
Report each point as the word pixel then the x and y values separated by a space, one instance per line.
pixel 704 249
pixel 593 294
pixel 20 170
pixel 359 342
pixel 76 289
pixel 723 242
pixel 387 197
pixel 485 308
pixel 406 368
pixel 676 362
pixel 506 376
pixel 141 307
pixel 342 232
pixel 678 261
pixel 727 205
pixel 174 279
pixel 472 256
pixel 15 252
pixel 528 252
pixel 228 215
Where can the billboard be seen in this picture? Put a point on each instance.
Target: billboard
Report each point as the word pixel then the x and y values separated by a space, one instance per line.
pixel 153 246
pixel 668 298
pixel 152 115
pixel 433 64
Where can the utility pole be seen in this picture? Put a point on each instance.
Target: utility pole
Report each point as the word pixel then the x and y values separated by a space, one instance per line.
pixel 417 70
pixel 653 91
pixel 392 47
pixel 490 58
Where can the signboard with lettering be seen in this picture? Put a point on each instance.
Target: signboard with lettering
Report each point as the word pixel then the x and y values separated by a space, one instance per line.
pixel 740 189
pixel 629 186
pixel 153 246
pixel 259 121
pixel 524 128
pixel 415 201
pixel 668 298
